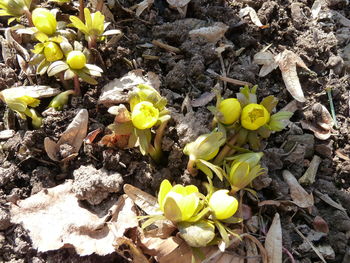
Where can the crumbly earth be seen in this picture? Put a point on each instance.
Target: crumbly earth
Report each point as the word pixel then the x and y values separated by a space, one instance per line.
pixel 323 45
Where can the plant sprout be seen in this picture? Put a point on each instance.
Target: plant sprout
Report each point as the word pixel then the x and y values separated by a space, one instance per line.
pixel 148 111
pixel 75 66
pixel 93 28
pixel 18 101
pixel 60 100
pixel 203 149
pixel 15 9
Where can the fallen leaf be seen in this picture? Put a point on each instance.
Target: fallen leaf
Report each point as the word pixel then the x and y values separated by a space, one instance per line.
pixel 126 248
pixel 273 241
pixel 147 202
pixel 54 218
pixel 287 62
pixel 14 44
pixel 310 174
pixel 320 225
pixel 117 91
pixel 203 100
pixel 36 91
pixel 326 198
pixel 316 8
pixel 72 137
pixel 299 196
pixel 267 59
pixel 252 14
pixel 252 252
pixel 212 33
pixel 143 6
pixel 178 3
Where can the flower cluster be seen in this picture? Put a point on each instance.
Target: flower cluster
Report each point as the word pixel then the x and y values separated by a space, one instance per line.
pixel 133 128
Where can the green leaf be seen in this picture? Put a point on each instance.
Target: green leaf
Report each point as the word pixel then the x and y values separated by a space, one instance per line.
pixel 151 220
pixel 85 77
pixel 279 120
pixel 56 67
pixel 38 48
pixel 216 169
pixel 144 138
pixel 269 103
pixel 199 216
pixel 223 232
pixel 252 158
pixel 204 169
pixel 232 220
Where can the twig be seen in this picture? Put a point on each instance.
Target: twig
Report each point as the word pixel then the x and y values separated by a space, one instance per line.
pixel 166 46
pixel 229 80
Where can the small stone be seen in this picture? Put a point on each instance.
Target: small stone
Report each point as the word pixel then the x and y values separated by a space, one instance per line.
pixel 6 134
pixel 326 251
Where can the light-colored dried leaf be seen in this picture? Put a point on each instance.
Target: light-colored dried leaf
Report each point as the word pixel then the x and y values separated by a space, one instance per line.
pixel 299 196
pixel 55 219
pixel 310 174
pixel 36 91
pixel 7 134
pixel 143 6
pixel 252 14
pixel 252 252
pixel 117 91
pixel 267 59
pixel 326 198
pixel 74 136
pixel 126 248
pixel 287 61
pixel 212 33
pixel 203 100
pixel 14 44
pixel 145 201
pixel 316 8
pixel 318 132
pixel 178 3
pixel 273 241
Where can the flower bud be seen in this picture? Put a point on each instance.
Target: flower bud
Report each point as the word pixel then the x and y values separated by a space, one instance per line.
pixel 254 116
pixel 222 204
pixel 144 115
pixel 52 52
pixel 230 110
pixel 44 21
pixel 179 203
pixel 76 59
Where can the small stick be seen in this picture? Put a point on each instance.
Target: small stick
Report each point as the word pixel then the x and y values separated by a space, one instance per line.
pixel 166 46
pixel 230 80
pixel 224 151
pixel 81 10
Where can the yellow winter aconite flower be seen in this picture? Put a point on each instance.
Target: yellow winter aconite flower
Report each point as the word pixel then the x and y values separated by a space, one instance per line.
pixel 44 21
pixel 144 115
pixel 52 51
pixel 15 8
pixel 17 99
pixel 76 59
pixel 178 203
pixel 254 116
pixel 242 173
pixel 222 204
pixel 230 110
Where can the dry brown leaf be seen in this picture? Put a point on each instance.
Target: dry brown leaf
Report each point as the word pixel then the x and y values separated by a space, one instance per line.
pixel 320 225
pixel 145 201
pixel 14 44
pixel 273 241
pixel 299 196
pixel 203 100
pixel 178 3
pixel 117 91
pixel 267 59
pixel 287 62
pixel 252 14
pixel 126 248
pixel 55 219
pixel 212 33
pixel 326 198
pixel 310 174
pixel 143 6
pixel 72 137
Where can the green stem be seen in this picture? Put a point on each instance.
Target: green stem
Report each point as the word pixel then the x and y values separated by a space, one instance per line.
pixel 156 151
pixel 226 150
pixel 330 98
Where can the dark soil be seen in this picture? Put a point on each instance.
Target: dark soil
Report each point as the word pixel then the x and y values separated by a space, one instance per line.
pixel 25 167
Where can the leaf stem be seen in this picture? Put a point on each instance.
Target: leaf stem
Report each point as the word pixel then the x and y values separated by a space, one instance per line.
pixel 81 10
pixel 226 150
pixel 156 151
pixel 29 17
pixel 76 85
pixel 99 5
pixel 191 167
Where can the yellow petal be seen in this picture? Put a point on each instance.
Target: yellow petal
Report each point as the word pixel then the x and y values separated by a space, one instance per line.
pixel 254 116
pixel 230 110
pixel 44 21
pixel 164 189
pixel 238 174
pixel 222 204
pixel 172 210
pixel 144 115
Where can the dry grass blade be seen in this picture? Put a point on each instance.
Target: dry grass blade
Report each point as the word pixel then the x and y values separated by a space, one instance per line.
pixel 299 196
pixel 273 241
pixel 166 46
pixel 140 7
pixel 330 201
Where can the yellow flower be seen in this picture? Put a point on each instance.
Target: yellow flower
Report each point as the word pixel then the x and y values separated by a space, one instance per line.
pixel 230 110
pixel 222 204
pixel 242 173
pixel 76 59
pixel 44 21
pixel 178 203
pixel 144 115
pixel 18 100
pixel 52 52
pixel 205 147
pixel 254 116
